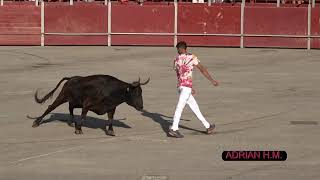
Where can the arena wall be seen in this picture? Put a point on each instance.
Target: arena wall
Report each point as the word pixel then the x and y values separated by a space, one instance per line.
pixel 160 24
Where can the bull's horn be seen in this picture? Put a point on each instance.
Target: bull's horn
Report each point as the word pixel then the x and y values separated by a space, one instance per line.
pixel 145 82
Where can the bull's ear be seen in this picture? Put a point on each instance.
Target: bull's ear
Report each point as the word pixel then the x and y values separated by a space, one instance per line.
pixel 135 84
pixel 128 89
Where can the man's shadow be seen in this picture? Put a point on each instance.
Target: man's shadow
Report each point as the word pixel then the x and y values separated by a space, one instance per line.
pixel 90 122
pixel 165 124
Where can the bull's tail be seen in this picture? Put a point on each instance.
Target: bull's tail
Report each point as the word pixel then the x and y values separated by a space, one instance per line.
pixel 50 94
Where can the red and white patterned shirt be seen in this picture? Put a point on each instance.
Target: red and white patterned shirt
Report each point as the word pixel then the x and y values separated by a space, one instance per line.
pixel 183 65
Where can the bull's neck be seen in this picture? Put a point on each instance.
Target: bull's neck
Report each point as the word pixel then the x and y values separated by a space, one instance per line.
pixel 123 97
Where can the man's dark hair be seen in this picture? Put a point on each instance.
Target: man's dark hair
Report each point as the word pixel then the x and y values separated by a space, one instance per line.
pixel 182 45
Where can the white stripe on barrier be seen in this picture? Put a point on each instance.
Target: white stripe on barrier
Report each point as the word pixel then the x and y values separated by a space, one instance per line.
pixel 175 38
pixel 42 23
pixel 313 3
pixel 109 23
pixel 309 26
pixel 242 24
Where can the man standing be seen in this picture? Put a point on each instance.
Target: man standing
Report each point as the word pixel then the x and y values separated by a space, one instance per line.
pixel 183 65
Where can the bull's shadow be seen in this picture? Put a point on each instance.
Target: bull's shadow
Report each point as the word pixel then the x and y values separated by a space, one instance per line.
pixel 90 122
pixel 164 123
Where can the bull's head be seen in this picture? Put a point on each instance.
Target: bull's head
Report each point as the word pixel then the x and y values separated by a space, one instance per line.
pixel 135 94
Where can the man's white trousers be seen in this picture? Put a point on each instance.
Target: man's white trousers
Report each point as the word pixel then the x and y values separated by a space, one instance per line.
pixel 185 97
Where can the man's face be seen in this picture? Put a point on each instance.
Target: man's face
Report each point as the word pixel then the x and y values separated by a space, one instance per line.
pixel 181 50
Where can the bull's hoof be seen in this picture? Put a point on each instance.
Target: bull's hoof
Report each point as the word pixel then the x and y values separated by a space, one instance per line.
pixel 71 124
pixel 78 132
pixel 110 133
pixel 35 124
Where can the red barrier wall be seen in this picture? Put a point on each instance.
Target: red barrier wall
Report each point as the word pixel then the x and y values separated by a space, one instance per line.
pixel 142 19
pixel 211 20
pixel 276 21
pixel 79 18
pixel 19 25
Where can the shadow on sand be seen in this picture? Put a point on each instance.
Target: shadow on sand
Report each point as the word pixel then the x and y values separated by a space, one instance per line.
pixel 90 122
pixel 164 123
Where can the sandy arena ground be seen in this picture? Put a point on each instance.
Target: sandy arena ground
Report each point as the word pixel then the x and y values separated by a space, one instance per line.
pixel 268 100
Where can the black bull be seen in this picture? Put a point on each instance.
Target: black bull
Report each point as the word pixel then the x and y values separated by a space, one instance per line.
pixel 97 93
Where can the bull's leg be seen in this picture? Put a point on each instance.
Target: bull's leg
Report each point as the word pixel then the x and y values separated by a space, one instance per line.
pixel 59 100
pixel 110 131
pixel 71 120
pixel 77 126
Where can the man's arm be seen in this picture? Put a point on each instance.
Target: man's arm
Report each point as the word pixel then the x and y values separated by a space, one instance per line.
pixel 206 74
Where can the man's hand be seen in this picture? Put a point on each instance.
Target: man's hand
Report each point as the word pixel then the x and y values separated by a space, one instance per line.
pixel 215 83
pixel 205 72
